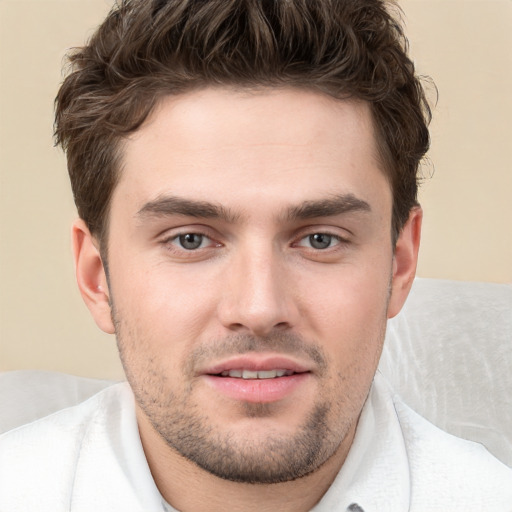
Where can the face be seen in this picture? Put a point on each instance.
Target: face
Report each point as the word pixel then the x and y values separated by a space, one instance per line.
pixel 251 274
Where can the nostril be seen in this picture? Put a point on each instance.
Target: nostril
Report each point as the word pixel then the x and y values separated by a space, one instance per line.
pixel 236 327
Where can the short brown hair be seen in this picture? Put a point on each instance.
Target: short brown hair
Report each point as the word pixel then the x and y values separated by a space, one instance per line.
pixel 147 49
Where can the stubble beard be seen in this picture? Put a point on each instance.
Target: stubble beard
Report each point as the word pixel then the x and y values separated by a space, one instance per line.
pixel 276 457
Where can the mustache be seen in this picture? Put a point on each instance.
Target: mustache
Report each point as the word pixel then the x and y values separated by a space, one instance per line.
pixel 239 344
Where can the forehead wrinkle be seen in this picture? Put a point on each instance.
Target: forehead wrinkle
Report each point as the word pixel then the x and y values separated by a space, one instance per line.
pixel 328 207
pixel 169 205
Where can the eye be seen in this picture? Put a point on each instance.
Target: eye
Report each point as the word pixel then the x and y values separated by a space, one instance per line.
pixel 191 241
pixel 319 241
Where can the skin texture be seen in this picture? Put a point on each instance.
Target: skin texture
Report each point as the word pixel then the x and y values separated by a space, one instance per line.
pixel 249 229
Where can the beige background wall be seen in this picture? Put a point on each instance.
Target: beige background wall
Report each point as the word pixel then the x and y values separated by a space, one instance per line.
pixel 465 45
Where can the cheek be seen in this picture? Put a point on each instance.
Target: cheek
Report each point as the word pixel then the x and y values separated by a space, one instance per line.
pixel 351 296
pixel 349 315
pixel 163 307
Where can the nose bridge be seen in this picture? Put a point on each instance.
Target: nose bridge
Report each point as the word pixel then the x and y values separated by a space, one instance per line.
pixel 257 298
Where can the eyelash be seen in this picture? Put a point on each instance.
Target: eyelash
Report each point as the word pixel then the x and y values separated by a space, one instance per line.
pixel 171 242
pixel 340 241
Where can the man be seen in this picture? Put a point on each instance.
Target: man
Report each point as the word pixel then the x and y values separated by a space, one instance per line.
pixel 245 176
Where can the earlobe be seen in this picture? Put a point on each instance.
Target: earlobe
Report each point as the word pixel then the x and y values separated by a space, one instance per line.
pixel 91 277
pixel 404 261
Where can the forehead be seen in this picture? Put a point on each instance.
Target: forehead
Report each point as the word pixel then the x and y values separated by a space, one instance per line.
pixel 283 145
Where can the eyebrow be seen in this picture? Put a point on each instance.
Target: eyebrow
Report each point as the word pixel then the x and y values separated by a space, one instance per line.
pixel 173 205
pixel 328 207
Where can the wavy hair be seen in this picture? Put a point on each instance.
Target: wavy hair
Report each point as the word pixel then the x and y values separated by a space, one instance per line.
pixel 147 49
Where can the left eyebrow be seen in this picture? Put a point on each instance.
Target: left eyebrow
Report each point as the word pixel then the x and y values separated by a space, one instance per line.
pixel 330 207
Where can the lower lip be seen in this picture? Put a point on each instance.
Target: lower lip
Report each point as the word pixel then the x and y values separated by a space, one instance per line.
pixel 257 390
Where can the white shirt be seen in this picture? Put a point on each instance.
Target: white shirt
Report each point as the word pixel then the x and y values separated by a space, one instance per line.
pixel 89 458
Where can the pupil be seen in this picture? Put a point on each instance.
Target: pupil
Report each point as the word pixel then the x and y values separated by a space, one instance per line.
pixel 191 240
pixel 320 241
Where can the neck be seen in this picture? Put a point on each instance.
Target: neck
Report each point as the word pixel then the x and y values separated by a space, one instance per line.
pixel 187 487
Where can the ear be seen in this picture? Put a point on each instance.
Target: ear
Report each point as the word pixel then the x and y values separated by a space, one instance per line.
pixel 91 277
pixel 405 260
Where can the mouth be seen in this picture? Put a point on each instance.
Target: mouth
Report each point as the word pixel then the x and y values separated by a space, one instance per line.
pixel 257 378
pixel 255 374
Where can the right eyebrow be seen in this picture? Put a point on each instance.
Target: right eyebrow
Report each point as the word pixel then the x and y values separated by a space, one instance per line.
pixel 173 205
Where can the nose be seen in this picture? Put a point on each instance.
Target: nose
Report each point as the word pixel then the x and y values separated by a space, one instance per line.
pixel 258 295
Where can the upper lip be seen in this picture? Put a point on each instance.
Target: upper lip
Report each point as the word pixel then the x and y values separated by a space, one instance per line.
pixel 256 362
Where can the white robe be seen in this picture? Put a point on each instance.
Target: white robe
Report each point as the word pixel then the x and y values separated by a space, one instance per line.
pixel 89 458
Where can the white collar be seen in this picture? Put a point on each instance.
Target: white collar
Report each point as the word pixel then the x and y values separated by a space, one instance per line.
pixel 375 475
pixel 90 457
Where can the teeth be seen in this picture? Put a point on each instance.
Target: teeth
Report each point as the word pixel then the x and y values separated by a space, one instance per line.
pixel 270 374
pixel 232 373
pixel 250 374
